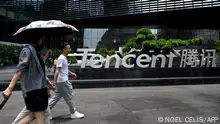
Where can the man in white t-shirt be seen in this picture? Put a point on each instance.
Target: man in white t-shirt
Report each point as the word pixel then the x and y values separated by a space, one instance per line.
pixel 64 87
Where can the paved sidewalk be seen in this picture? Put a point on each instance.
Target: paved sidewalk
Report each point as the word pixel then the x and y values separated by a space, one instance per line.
pixel 138 105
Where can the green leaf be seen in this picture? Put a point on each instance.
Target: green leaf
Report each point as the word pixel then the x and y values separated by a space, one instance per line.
pixel 151 37
pixel 103 52
pixel 9 54
pixel 146 44
pixel 72 59
pixel 141 36
pixel 56 53
pixel 144 31
pixel 111 52
pixel 217 45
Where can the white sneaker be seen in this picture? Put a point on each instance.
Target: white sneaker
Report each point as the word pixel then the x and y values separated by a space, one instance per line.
pixel 77 115
pixel 50 118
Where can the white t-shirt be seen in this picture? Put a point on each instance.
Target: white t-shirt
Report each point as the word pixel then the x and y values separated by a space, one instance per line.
pixel 63 63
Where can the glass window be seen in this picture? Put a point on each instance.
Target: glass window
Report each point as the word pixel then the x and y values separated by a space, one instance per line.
pixel 92 36
pixel 109 38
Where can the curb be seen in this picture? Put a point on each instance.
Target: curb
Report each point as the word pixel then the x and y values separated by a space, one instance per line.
pixel 8 71
pixel 2 81
pixel 106 83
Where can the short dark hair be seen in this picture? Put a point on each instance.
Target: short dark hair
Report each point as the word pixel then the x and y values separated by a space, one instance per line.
pixel 63 45
pixel 33 39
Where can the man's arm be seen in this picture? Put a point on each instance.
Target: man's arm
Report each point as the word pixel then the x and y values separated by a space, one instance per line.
pixel 73 74
pixel 56 74
pixel 24 60
pixel 48 53
pixel 14 80
pixel 70 71
pixel 59 65
pixel 11 86
pixel 51 85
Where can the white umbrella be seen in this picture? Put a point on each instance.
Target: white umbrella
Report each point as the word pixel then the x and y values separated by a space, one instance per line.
pixel 47 27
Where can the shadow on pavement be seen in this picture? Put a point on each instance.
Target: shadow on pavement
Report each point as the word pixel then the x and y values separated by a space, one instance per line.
pixel 61 119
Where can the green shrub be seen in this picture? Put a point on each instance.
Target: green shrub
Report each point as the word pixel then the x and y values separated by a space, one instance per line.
pixel 157 44
pixel 132 43
pixel 111 52
pixel 9 54
pixel 103 51
pixel 217 45
pixel 146 44
pixel 164 44
pixel 196 41
pixel 139 40
pixel 72 60
pixel 141 36
pixel 167 45
pixel 146 40
pixel 179 42
pixel 144 31
pixel 145 34
pixel 161 42
pixel 154 45
pixel 151 37
pixel 125 49
pixel 56 53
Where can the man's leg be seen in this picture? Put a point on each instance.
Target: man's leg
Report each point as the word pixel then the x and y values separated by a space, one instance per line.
pixel 37 102
pixel 67 94
pixel 39 116
pixel 24 112
pixel 53 101
pixel 30 117
pixel 51 104
pixel 48 115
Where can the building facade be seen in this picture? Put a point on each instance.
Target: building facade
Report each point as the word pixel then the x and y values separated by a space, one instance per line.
pixel 105 22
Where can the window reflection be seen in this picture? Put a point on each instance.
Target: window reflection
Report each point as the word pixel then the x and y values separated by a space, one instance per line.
pixel 92 36
pixel 110 38
pixel 113 38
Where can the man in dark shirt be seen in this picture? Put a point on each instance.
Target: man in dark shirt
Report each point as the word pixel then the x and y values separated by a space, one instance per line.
pixel 40 59
pixel 33 80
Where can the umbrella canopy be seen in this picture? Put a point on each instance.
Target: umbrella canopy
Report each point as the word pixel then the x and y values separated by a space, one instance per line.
pixel 52 27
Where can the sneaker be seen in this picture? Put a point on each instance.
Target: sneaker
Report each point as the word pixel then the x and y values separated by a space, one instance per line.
pixel 77 115
pixel 50 118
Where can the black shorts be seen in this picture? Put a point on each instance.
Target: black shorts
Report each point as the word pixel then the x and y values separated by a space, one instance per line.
pixel 37 100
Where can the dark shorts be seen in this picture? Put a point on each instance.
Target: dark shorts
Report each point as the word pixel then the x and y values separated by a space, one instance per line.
pixel 37 100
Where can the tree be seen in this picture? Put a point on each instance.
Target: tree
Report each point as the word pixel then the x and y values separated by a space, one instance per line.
pixel 142 35
pixel 146 41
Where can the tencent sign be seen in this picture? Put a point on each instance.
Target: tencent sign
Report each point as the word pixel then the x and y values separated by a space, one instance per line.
pixel 190 57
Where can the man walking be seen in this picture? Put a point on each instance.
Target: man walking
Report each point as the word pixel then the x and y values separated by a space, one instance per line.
pixel 33 80
pixel 63 88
